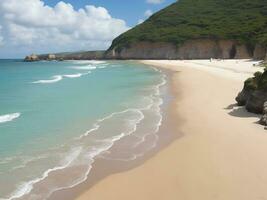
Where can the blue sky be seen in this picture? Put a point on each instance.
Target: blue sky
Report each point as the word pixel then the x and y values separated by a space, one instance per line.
pixel 42 26
pixel 129 10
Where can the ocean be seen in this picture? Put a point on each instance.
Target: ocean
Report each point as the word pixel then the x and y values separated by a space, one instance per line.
pixel 57 117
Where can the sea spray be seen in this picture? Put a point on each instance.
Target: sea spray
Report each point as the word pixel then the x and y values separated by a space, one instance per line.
pixel 9 117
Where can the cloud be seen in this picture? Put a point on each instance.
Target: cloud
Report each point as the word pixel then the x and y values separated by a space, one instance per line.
pixel 1 37
pixel 35 26
pixel 155 1
pixel 140 21
pixel 148 13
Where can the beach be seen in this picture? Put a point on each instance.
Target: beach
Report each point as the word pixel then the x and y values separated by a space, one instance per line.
pixel 59 119
pixel 221 153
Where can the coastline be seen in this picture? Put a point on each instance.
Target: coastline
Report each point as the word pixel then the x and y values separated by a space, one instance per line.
pixel 221 154
pixel 103 167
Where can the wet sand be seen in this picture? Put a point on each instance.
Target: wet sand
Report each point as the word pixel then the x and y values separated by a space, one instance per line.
pixel 222 151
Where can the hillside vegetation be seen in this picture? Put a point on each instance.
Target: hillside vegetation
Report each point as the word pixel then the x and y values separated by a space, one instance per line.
pixel 241 20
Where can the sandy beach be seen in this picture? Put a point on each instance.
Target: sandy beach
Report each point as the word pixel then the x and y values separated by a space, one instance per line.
pixel 222 153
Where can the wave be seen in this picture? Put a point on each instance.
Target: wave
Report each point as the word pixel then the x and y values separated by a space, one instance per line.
pixel 27 187
pixel 53 80
pixel 89 62
pixel 58 78
pixel 80 154
pixel 88 67
pixel 147 140
pixel 75 155
pixel 25 161
pixel 9 117
pixel 7 160
pixel 73 75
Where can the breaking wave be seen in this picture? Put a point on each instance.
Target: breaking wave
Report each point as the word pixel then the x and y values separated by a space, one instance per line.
pixel 9 117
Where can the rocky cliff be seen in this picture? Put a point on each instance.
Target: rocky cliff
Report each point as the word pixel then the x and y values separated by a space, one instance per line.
pixel 190 29
pixel 191 49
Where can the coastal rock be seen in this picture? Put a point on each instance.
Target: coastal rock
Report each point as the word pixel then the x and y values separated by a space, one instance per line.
pixel 260 52
pixel 84 55
pixel 263 120
pixel 51 57
pixel 197 49
pixel 255 102
pixel 242 52
pixel 254 95
pixel 243 97
pixel 191 49
pixel 145 50
pixel 31 58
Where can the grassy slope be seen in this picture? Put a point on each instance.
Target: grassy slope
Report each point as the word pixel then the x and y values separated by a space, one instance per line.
pixel 242 20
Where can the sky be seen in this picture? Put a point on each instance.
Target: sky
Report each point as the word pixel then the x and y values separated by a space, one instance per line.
pixel 42 26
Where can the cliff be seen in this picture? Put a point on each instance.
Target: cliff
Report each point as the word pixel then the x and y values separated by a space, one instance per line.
pixel 190 29
pixel 191 49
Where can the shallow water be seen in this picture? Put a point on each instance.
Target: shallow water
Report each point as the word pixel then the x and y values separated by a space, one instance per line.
pixel 56 117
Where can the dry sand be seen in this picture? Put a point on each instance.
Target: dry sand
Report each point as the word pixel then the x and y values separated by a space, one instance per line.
pixel 223 151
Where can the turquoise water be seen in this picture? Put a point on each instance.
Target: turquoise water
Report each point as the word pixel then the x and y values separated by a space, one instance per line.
pixel 56 117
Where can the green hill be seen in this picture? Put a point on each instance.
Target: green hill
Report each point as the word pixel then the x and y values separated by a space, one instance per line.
pixel 244 21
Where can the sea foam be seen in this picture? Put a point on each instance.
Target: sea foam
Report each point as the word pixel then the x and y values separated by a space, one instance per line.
pixel 26 188
pixel 89 62
pixel 88 67
pixel 58 78
pixel 53 80
pixel 9 117
pixel 73 75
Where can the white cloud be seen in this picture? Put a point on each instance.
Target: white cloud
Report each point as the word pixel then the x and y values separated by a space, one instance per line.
pixel 140 21
pixel 33 25
pixel 148 13
pixel 1 37
pixel 155 1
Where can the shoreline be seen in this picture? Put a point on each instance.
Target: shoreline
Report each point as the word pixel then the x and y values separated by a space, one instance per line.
pixel 221 154
pixel 103 168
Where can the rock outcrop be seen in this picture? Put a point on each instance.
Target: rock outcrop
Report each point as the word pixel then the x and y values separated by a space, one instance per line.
pixel 260 52
pixel 51 57
pixel 254 95
pixel 145 50
pixel 31 58
pixel 263 120
pixel 86 55
pixel 192 49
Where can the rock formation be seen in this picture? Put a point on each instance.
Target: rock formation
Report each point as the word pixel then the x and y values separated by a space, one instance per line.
pixel 192 49
pixel 51 57
pixel 31 58
pixel 263 120
pixel 86 55
pixel 254 95
pixel 260 52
